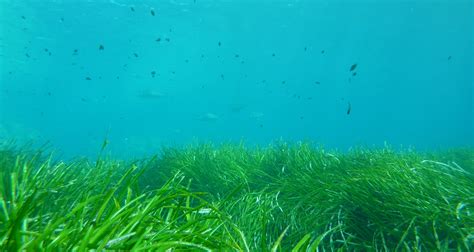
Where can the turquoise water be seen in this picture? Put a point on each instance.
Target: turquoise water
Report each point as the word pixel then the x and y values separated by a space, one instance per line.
pixel 75 72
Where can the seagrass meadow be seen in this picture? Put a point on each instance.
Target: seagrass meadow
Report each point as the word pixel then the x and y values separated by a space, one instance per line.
pixel 203 197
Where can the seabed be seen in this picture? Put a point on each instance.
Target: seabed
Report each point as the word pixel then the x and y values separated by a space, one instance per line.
pixel 283 197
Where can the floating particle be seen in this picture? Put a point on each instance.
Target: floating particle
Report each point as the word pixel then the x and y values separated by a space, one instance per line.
pixel 23 17
pixel 354 73
pixel 101 47
pixel 449 57
pixel 186 61
pixel 219 43
pixel 222 76
pixel 49 93
pixel 46 49
pixel 83 99
pixel 100 77
pixel 132 9
pixel 261 125
pixel 353 67
pixel 152 12
pixel 202 56
pixel 349 108
pixel 27 55
pixel 273 55
pixel 153 73
pixel 301 117
pixel 167 39
pixel 135 54
pixel 173 72
pixel 75 52
pixel 309 98
pixel 117 77
pixel 317 82
pixel 236 55
pixel 322 51
pixel 158 40
pixel 88 78
pixel 283 82
pixel 305 49
pixel 49 53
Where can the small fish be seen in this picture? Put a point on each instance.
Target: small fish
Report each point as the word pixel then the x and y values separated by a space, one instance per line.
pixel 317 82
pixel 23 17
pixel 135 54
pixel 88 78
pixel 46 49
pixel 83 99
pixel 49 93
pixel 219 44
pixel 152 12
pixel 153 73
pixel 150 94
pixel 305 49
pixel 236 55
pixel 256 115
pixel 132 9
pixel 167 39
pixel 27 55
pixel 449 57
pixel 208 117
pixel 222 76
pixel 349 108
pixel 273 55
pixel 158 39
pixel 62 19
pixel 354 73
pixel 75 52
pixel 237 108
pixel 322 52
pixel 353 67
pixel 101 47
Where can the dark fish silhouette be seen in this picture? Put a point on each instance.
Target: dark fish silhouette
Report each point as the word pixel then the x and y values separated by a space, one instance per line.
pixel 353 67
pixel 152 12
pixel 349 108
pixel 101 47
pixel 132 9
pixel 88 78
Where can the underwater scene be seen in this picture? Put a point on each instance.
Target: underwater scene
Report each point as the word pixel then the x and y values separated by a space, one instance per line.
pixel 236 125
